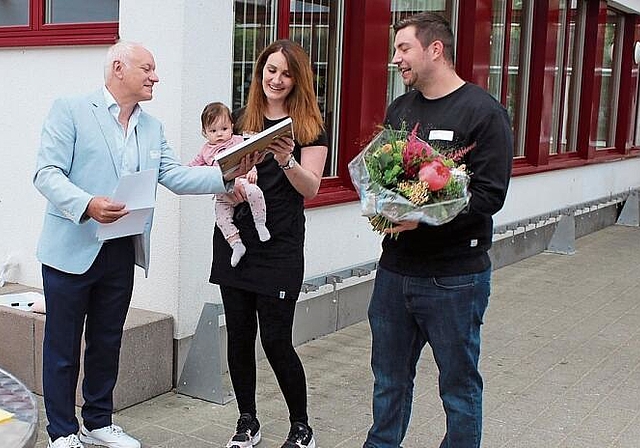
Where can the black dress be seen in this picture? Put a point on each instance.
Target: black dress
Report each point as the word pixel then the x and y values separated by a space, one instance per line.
pixel 274 267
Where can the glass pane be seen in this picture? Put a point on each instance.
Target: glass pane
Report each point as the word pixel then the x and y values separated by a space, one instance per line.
pixel 566 90
pixel 81 11
pixel 607 70
pixel 309 27
pixel 399 10
pixel 634 123
pixel 14 12
pixel 513 69
pixel 518 70
pixel 633 108
pixel 510 48
pixel 498 26
pixel 634 137
pixel 568 128
pixel 317 26
pixel 255 28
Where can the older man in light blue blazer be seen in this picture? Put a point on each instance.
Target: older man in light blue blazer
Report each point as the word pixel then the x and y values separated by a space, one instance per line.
pixel 87 144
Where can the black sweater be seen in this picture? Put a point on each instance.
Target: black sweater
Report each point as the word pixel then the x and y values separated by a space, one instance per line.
pixel 468 115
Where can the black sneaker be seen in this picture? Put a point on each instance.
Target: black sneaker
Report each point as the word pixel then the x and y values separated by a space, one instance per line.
pixel 247 432
pixel 300 436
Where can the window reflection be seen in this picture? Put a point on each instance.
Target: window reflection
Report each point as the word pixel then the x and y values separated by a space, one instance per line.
pixel 633 138
pixel 81 11
pixel 14 12
pixel 566 27
pixel 607 74
pixel 510 42
pixel 497 45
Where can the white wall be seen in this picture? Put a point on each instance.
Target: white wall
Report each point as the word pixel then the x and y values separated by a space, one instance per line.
pixel 31 78
pixel 192 45
pixel 537 194
pixel 192 42
pixel 631 6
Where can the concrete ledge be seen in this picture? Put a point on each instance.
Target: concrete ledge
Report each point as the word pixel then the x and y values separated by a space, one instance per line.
pixel 317 314
pixel 17 345
pixel 145 357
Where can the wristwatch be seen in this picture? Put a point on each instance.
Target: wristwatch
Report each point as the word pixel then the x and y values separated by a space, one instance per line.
pixel 289 163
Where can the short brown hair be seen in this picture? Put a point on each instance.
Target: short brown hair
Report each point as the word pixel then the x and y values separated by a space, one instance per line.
pixel 212 112
pixel 429 28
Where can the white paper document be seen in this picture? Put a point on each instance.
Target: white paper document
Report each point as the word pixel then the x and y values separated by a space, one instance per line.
pixel 138 192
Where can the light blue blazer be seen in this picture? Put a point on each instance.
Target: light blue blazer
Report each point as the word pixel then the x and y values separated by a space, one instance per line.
pixel 77 161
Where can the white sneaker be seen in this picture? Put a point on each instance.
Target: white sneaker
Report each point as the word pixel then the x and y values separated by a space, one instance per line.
pixel 70 441
pixel 110 436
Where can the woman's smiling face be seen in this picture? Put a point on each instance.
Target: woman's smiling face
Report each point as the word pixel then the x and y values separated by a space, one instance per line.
pixel 277 83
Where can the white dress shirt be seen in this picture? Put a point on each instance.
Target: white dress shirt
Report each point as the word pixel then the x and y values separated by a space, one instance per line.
pixel 127 143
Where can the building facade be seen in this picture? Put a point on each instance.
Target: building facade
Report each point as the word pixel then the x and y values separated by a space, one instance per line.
pixel 567 71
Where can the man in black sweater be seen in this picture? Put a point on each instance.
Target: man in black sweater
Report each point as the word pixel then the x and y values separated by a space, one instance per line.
pixel 433 282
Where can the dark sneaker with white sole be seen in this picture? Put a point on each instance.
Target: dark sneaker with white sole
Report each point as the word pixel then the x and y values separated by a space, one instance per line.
pixel 300 436
pixel 247 433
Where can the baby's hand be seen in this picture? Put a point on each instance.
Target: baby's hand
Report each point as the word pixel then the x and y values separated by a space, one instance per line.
pixel 252 176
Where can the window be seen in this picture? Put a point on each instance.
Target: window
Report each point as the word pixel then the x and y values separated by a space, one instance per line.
pixel 312 24
pixel 350 90
pixel 399 10
pixel 254 29
pixel 58 22
pixel 563 69
pixel 607 77
pixel 510 42
pixel 568 32
pixel 633 138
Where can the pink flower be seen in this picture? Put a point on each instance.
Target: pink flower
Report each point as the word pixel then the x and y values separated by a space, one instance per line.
pixel 435 174
pixel 415 153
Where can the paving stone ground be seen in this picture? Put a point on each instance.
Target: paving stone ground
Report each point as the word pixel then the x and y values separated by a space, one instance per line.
pixel 560 359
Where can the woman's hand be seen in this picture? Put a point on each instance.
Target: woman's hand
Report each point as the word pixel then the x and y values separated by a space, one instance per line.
pixel 246 164
pixel 281 148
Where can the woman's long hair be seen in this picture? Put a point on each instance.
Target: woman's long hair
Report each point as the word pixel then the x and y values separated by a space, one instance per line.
pixel 301 103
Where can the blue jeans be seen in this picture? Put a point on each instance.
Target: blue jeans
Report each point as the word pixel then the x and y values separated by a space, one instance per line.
pixel 405 313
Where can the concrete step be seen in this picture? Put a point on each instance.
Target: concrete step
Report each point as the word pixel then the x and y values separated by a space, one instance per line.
pixel 146 356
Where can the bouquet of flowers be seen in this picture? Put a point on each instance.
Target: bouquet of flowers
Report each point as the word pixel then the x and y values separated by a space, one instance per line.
pixel 400 177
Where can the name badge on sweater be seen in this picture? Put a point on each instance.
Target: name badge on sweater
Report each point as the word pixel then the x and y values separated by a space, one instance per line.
pixel 437 134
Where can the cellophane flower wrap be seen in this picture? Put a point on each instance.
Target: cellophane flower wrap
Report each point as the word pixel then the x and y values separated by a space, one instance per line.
pixel 400 177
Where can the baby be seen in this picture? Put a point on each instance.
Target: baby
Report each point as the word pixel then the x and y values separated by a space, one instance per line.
pixel 217 128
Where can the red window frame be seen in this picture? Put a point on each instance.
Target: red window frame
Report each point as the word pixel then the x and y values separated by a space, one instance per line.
pixel 363 91
pixel 473 59
pixel 39 33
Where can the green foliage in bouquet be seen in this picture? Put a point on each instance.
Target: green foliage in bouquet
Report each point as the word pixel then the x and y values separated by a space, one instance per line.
pixel 384 163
